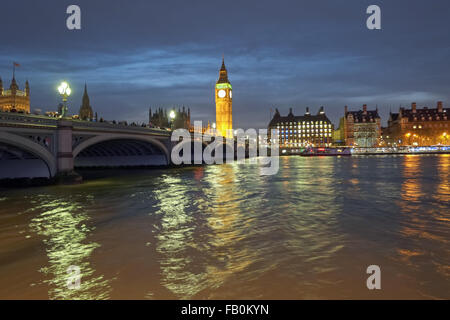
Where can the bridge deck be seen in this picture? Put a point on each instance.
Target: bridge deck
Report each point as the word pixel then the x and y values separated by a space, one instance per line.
pixel 9 119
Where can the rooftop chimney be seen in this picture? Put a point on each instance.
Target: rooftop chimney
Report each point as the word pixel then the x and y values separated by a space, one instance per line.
pixel 365 108
pixel 321 111
pixel 413 107
pixel 307 110
pixel 439 106
pixel 345 109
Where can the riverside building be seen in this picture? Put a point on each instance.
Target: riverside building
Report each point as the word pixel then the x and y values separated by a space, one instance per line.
pixel 361 128
pixel 419 126
pixel 308 130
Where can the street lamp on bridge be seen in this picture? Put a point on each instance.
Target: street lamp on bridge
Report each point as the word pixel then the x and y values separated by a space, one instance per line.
pixel 64 91
pixel 172 117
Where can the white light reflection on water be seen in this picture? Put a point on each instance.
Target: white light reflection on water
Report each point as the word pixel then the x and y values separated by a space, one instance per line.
pixel 64 230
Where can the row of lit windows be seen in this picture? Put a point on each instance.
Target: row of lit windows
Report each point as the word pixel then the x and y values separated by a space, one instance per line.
pixel 304 139
pixel 305 130
pixel 440 125
pixel 308 124
pixel 316 133
pixel 301 122
pixel 429 118
pixel 306 135
pixel 17 107
pixel 305 127
pixel 290 145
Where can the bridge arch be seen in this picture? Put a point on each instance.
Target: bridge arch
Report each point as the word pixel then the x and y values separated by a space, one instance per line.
pixel 118 145
pixel 33 148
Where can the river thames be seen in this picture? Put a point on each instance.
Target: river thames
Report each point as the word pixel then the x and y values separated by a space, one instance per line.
pixel 225 232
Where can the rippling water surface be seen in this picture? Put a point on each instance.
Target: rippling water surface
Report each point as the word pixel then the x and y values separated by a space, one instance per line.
pixel 224 231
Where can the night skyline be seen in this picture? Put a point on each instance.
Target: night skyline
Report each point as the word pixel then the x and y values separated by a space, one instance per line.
pixel 288 54
pixel 337 188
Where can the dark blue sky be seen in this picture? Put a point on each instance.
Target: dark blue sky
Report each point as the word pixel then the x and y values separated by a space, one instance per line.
pixel 138 54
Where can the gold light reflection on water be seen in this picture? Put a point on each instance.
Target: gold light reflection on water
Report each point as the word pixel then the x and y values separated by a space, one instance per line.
pixel 443 189
pixel 228 225
pixel 411 189
pixel 405 255
pixel 199 252
pixel 354 180
pixel 425 225
pixel 63 226
pixel 442 215
pixel 410 205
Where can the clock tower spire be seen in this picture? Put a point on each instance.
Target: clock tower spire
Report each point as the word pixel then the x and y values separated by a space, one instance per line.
pixel 224 97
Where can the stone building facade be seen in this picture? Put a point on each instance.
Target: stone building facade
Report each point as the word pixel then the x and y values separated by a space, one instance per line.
pixel 419 126
pixel 13 99
pixel 362 128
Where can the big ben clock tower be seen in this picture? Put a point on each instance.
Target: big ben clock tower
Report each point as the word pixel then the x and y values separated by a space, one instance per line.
pixel 224 98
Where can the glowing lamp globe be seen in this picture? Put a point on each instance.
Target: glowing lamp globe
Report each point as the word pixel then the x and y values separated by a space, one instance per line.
pixel 64 89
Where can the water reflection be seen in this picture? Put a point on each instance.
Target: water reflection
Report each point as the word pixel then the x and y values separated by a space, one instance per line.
pixel 442 213
pixel 411 187
pixel 175 238
pixel 411 193
pixel 313 220
pixel 200 240
pixel 226 232
pixel 442 193
pixel 64 227
pixel 425 225
pixel 229 226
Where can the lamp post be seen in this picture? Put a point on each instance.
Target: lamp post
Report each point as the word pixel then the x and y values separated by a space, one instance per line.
pixel 172 117
pixel 64 91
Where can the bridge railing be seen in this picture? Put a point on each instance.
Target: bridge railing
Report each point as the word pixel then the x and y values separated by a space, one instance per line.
pixel 20 118
pixel 41 120
pixel 108 125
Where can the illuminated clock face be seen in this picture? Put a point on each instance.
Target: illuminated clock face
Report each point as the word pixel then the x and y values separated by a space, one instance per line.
pixel 231 94
pixel 222 93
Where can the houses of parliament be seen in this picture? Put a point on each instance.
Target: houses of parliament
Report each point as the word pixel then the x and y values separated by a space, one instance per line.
pixel 13 99
pixel 16 100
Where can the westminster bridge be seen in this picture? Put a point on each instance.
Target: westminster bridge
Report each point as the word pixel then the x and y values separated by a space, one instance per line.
pixel 36 146
pixel 42 146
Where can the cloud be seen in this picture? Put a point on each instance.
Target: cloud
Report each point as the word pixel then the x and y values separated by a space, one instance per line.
pixel 284 53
